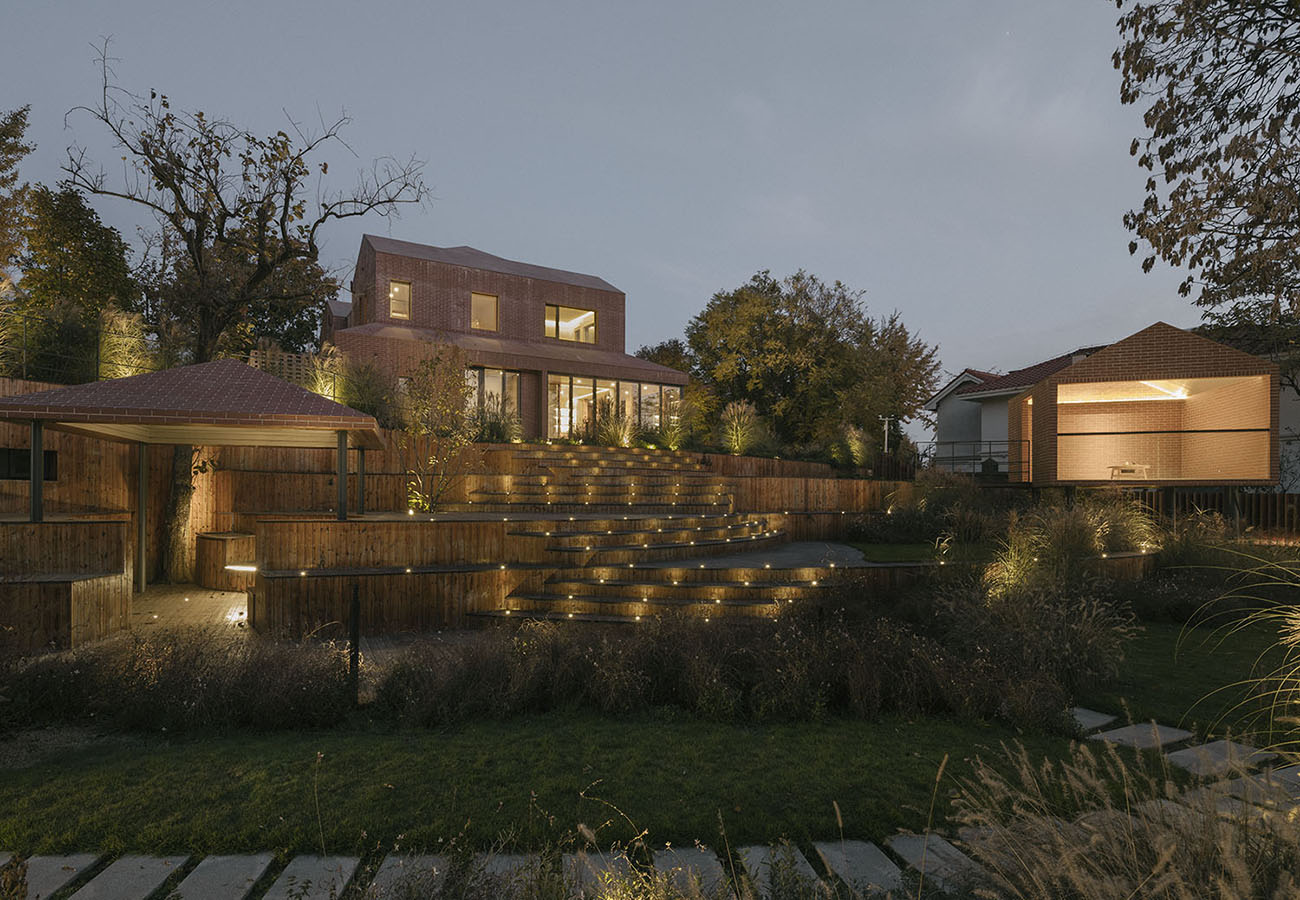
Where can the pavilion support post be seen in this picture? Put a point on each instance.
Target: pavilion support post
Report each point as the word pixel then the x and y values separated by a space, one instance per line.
pixel 343 475
pixel 37 471
pixel 361 481
pixel 141 516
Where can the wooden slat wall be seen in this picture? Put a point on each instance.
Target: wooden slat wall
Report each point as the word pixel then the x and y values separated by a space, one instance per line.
pixel 326 544
pixel 62 615
pixel 82 548
pixel 770 494
pixel 214 552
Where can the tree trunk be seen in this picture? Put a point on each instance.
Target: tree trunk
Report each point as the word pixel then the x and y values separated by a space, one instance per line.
pixel 176 532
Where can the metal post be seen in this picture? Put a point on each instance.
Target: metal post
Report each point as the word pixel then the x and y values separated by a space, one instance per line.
pixel 343 475
pixel 141 516
pixel 37 471
pixel 354 642
pixel 361 481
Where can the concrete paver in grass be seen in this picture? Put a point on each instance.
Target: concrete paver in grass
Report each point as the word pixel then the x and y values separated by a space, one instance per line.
pixel 313 878
pixel 398 874
pixel 863 867
pixel 1143 736
pixel 1219 757
pixel 223 877
pixel 690 866
pixel 508 867
pixel 763 863
pixel 941 864
pixel 4 859
pixel 48 874
pixel 1090 719
pixel 131 878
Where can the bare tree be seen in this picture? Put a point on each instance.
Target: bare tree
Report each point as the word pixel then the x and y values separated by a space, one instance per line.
pixel 244 213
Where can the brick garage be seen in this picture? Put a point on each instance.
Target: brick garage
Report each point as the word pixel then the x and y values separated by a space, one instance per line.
pixel 1164 407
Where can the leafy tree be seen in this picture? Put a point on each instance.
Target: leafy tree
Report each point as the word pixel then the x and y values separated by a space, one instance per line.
pixel 674 354
pixel 806 354
pixel 437 447
pixel 13 126
pixel 1218 82
pixel 240 217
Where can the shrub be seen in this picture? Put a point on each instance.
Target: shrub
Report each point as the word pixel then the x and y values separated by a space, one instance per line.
pixel 1199 539
pixel 369 388
pixel 181 680
pixel 740 426
pixel 496 422
pixel 1100 826
pixel 1122 523
pixel 612 426
pixel 675 428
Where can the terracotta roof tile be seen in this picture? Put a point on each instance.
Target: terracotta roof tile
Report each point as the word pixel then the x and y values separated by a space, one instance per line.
pixel 1028 376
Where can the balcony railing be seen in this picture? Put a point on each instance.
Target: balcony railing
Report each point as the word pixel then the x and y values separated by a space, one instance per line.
pixel 989 459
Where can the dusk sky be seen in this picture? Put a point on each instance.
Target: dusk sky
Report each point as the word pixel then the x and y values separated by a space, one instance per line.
pixel 964 163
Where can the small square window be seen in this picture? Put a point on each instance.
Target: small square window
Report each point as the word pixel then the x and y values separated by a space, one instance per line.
pixel 399 299
pixel 483 311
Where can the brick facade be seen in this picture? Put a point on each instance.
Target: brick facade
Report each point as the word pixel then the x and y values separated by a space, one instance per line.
pixel 442 281
pixel 1228 427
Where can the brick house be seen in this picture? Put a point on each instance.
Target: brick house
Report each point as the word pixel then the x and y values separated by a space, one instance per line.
pixel 548 342
pixel 1160 407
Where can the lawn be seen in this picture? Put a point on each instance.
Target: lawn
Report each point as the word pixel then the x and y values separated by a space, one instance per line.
pixel 1194 678
pixel 530 780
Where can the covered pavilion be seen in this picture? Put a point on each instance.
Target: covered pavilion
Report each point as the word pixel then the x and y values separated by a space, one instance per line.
pixel 221 403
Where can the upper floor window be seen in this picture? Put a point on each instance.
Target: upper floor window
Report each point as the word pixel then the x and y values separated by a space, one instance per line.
pixel 399 299
pixel 483 311
pixel 570 324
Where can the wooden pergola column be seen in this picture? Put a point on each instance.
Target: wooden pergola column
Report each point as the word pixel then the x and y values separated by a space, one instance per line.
pixel 361 481
pixel 37 472
pixel 343 475
pixel 141 515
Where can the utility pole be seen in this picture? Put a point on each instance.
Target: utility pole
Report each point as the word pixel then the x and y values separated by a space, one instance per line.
pixel 887 420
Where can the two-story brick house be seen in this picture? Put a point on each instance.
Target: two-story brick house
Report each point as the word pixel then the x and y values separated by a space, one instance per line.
pixel 549 342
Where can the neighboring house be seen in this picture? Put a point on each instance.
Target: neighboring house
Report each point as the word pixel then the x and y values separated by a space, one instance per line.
pixel 547 341
pixel 1162 407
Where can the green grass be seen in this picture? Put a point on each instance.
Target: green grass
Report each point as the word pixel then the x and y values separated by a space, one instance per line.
pixel 535 778
pixel 886 553
pixel 1195 678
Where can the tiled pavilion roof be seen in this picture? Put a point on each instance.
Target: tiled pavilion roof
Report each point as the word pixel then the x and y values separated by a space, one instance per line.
pixel 221 402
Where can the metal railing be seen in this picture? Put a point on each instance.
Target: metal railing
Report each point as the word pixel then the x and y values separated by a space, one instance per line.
pixel 988 459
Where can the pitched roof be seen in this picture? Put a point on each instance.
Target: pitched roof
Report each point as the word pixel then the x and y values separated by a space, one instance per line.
pixel 224 401
pixel 1019 379
pixel 962 379
pixel 509 353
pixel 477 259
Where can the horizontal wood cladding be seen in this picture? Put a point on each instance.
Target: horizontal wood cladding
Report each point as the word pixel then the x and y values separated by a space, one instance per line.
pixel 320 604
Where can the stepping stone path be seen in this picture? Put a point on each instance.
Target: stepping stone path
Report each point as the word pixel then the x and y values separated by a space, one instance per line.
pixel 314 878
pixel 762 863
pixel 1219 757
pixel 863 867
pixel 1090 719
pixel 396 869
pixel 944 865
pixel 131 878
pixel 690 866
pixel 1145 736
pixel 223 877
pixel 48 874
pixel 588 870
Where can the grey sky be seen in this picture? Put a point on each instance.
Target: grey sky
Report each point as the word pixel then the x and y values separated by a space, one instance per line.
pixel 963 162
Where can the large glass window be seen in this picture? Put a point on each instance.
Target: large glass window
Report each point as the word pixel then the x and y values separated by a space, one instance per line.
pixel 1184 429
pixel 606 397
pixel 629 395
pixel 568 323
pixel 649 406
pixel 560 410
pixel 491 386
pixel 584 403
pixel 483 311
pixel 399 299
pixel 511 387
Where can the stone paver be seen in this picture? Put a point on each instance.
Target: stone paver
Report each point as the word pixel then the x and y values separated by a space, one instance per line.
pixel 426 871
pixel 313 878
pixel 1144 736
pixel 48 874
pixel 1219 757
pixel 131 878
pixel 508 867
pixel 223 877
pixel 943 865
pixel 863 867
pixel 1090 719
pixel 759 863
pixel 686 866
pixel 4 859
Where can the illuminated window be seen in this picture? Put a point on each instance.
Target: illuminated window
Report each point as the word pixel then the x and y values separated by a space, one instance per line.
pixel 399 299
pixel 567 323
pixel 483 311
